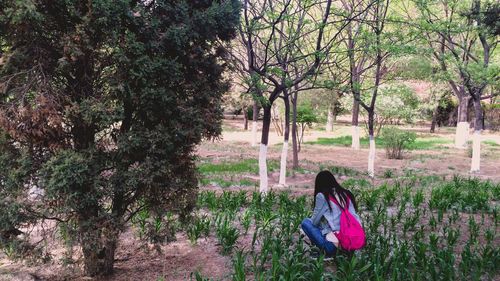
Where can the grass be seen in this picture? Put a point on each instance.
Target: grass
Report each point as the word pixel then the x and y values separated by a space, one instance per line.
pixel 419 144
pixel 226 183
pixel 236 167
pixel 491 143
pixel 230 173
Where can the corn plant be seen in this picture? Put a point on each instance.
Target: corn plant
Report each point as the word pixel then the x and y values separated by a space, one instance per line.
pixel 200 226
pixel 239 266
pixel 416 228
pixel 140 221
pixel 246 220
pixel 227 235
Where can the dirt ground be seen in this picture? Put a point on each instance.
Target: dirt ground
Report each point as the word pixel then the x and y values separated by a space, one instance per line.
pixel 442 162
pixel 176 260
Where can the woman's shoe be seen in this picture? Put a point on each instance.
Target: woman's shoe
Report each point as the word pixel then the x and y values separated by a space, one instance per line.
pixel 316 254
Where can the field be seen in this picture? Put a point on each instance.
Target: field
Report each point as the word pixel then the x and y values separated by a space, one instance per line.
pixel 425 216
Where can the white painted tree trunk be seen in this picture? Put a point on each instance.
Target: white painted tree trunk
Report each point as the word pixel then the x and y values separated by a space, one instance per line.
pixel 476 152
pixel 371 158
pixel 355 137
pixel 284 153
pixel 254 133
pixel 263 168
pixel 461 135
pixel 329 120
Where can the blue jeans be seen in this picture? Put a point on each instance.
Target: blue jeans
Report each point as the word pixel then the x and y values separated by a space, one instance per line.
pixel 318 239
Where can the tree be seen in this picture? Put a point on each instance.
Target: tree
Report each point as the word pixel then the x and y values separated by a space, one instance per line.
pixel 101 107
pixel 462 40
pixel 377 51
pixel 357 41
pixel 305 118
pixel 396 103
pixel 271 33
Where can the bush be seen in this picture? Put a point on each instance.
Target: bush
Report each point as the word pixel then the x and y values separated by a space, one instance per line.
pixel 397 141
pixel 492 116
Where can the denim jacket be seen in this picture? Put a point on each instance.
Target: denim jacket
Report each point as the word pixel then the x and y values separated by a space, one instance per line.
pixel 327 220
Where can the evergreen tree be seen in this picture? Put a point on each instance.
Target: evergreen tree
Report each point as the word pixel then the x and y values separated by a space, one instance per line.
pixel 101 105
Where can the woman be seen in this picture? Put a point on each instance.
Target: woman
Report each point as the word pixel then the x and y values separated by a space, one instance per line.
pixel 325 220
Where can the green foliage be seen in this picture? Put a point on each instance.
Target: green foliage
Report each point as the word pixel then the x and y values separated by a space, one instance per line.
pixel 227 235
pixel 198 227
pixel 492 116
pixel 240 167
pixel 467 194
pixel 406 239
pixel 491 143
pixel 106 101
pixel 396 104
pixel 306 115
pixel 239 266
pixel 414 68
pixel 445 110
pixel 397 141
pixel 340 170
pixel 388 173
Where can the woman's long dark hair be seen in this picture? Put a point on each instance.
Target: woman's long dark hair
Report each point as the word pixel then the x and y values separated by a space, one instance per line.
pixel 328 185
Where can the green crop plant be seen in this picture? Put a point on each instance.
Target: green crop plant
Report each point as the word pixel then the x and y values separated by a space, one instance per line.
pixel 200 226
pixel 418 198
pixel 388 173
pixel 227 235
pixel 351 269
pixel 208 199
pixel 418 228
pixel 246 220
pixel 140 221
pixel 239 266
pixel 196 276
pixel 468 194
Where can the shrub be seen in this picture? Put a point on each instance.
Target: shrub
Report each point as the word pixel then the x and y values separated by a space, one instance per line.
pixel 397 141
pixel 492 116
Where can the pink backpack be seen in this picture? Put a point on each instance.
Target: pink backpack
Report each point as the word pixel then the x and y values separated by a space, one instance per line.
pixel 351 235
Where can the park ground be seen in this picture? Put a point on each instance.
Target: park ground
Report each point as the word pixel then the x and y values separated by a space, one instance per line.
pixel 230 164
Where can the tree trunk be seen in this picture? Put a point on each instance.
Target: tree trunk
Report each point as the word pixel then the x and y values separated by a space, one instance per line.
pixel 355 123
pixel 98 248
pixel 284 152
pixel 294 132
pixel 266 123
pixel 245 118
pixel 371 154
pixel 276 119
pixel 434 119
pixel 462 131
pixel 329 119
pixel 476 141
pixel 301 137
pixel 254 123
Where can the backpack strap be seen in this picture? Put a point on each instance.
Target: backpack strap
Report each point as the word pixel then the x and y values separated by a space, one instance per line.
pixel 334 200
